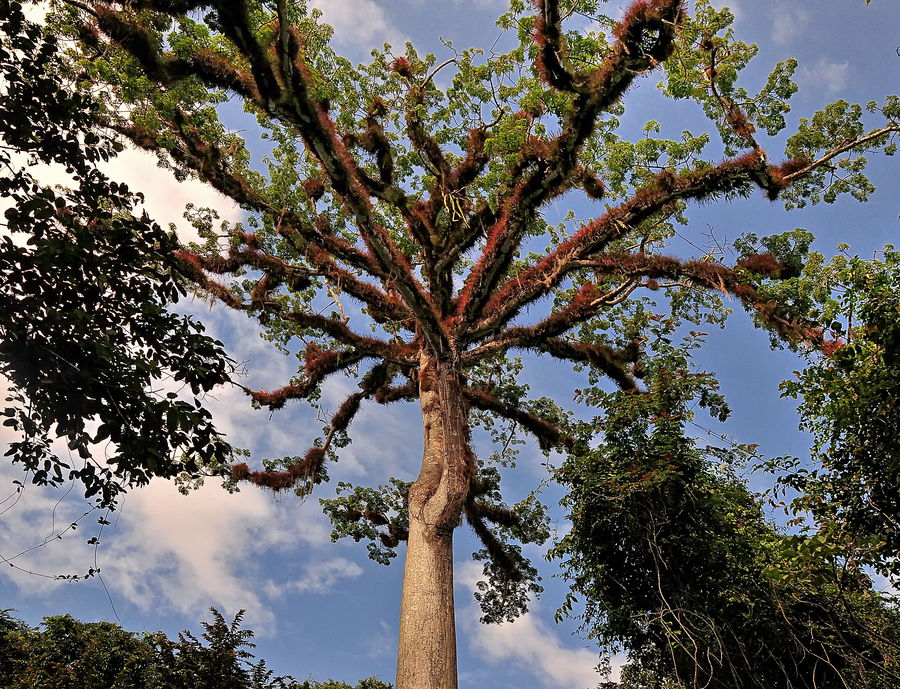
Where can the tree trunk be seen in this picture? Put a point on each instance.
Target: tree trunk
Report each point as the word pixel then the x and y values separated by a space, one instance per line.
pixel 427 649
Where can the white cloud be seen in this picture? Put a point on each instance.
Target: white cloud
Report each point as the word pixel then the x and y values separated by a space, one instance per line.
pixel 165 550
pixel 190 552
pixel 362 24
pixel 832 77
pixel 165 197
pixel 529 643
pixel 320 576
pixel 789 24
pixel 36 12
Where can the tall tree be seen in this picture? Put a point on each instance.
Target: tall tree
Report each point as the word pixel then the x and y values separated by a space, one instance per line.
pixel 418 212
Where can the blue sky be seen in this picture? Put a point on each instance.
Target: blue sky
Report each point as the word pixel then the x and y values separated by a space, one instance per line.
pixel 324 610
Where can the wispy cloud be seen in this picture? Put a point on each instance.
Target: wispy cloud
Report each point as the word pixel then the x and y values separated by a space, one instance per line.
pixel 825 75
pixel 362 24
pixel 383 643
pixel 789 23
pixel 319 576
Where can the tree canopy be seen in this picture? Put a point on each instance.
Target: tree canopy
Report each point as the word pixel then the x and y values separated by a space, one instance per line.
pixel 398 232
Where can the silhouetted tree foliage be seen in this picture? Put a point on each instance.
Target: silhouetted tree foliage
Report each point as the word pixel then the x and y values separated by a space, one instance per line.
pixel 67 654
pixel 850 402
pixel 87 334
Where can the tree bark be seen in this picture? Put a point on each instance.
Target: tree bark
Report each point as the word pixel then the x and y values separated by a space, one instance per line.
pixel 427 648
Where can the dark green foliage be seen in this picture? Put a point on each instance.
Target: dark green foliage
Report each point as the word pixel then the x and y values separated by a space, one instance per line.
pixel 377 515
pixel 677 564
pixel 85 290
pixel 851 404
pixel 67 654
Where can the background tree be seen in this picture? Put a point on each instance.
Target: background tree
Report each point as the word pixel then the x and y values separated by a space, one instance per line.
pixel 424 206
pixel 676 562
pixel 86 288
pixel 849 404
pixel 65 653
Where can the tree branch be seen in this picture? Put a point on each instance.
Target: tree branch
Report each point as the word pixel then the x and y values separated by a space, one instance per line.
pixel 849 146
pixel 733 176
pixel 546 432
pixel 555 161
pixel 551 45
pixel 286 95
pixel 308 470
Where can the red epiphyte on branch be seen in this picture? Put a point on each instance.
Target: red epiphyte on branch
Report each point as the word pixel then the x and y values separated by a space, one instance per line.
pixel 323 224
pixel 779 174
pixel 666 180
pixel 138 135
pixel 276 399
pixel 744 291
pixel 219 69
pixel 190 260
pixel 793 165
pixel 320 362
pixel 305 470
pixel 585 296
pixel 377 107
pixel 260 291
pixel 829 347
pixel 551 46
pixel 541 149
pixel 392 539
pixel 240 472
pixel 134 37
pixel 592 186
pixel 474 161
pixel 403 67
pixel 751 160
pixel 643 14
pixel 764 264
pixel 251 240
pixel 346 412
pixel 313 459
pixel 376 518
pixel 737 120
pixel 89 35
pixel 387 394
pixel 497 251
pixel 313 188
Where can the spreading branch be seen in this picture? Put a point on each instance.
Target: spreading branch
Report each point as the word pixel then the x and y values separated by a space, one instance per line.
pixel 307 471
pixel 645 37
pixel 547 433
